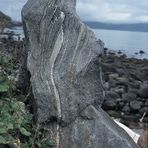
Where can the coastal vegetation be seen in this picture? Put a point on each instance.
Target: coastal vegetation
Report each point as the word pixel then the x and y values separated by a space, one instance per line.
pixel 17 126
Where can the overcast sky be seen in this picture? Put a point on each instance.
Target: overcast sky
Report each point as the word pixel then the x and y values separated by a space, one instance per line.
pixel 113 11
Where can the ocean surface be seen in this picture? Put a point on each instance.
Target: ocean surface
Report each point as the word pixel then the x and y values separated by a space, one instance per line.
pixel 128 42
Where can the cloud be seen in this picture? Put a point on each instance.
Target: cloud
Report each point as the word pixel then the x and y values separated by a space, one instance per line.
pixel 119 11
pixel 113 11
pixel 12 8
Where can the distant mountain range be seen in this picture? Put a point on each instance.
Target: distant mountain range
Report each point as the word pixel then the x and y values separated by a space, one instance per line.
pixel 141 27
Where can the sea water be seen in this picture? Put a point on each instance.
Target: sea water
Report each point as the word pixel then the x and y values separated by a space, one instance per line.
pixel 128 42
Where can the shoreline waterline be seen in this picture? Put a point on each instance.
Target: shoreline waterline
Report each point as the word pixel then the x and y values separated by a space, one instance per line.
pixel 116 41
pixel 127 42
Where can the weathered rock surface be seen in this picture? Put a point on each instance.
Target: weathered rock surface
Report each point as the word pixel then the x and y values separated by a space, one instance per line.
pixel 63 58
pixel 94 129
pixel 64 63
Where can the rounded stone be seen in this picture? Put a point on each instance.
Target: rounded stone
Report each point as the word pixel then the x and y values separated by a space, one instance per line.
pixel 129 97
pixel 126 109
pixel 135 105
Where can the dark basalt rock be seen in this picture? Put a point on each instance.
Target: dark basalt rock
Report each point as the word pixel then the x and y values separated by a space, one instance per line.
pixel 63 60
pixel 126 109
pixel 129 97
pixel 143 92
pixel 135 105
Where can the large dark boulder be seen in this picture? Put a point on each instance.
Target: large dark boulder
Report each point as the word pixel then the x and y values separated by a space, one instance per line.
pixel 64 64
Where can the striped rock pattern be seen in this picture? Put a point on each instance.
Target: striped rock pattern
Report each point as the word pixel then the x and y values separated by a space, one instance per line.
pixel 64 63
pixel 63 58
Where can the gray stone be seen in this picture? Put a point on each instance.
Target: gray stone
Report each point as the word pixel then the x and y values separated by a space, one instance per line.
pixel 115 114
pixel 129 97
pixel 112 95
pixel 113 76
pixel 143 92
pixel 144 110
pixel 135 105
pixel 111 100
pixel 135 84
pixel 146 103
pixel 94 129
pixel 121 105
pixel 122 80
pixel 109 105
pixel 108 67
pixel 126 109
pixel 133 90
pixel 119 90
pixel 63 60
pixel 113 83
pixel 141 99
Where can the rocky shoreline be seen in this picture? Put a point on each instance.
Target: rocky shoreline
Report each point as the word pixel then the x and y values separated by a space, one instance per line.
pixel 126 87
pixel 125 82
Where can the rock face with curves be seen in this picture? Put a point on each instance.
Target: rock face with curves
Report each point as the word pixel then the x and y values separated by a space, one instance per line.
pixel 64 63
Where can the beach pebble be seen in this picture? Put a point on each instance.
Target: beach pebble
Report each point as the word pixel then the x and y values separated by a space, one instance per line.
pixel 135 105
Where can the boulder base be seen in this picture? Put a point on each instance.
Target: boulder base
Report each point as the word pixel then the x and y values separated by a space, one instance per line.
pixel 95 129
